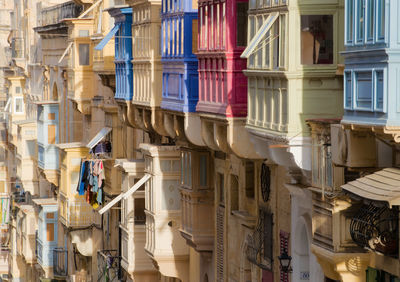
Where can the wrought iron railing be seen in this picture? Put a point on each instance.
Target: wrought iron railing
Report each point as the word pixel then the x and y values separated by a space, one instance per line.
pixel 60 262
pixel 259 244
pixel 56 13
pixel 376 228
pixel 265 179
pixel 108 265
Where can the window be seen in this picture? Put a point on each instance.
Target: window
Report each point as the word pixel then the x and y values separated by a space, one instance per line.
pixel 221 189
pixel 363 83
pixel 381 19
pixel 370 19
pixel 349 20
pixel 379 90
pixel 51 116
pixel 140 216
pixel 18 107
pixel 83 54
pixel 186 168
pixel 316 39
pixel 18 90
pixel 234 191
pixel 249 179
pixel 360 20
pixel 194 36
pixel 83 33
pixel 241 23
pixel 203 170
pixel 348 88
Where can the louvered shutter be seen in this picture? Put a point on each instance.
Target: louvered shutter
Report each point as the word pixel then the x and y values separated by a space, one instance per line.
pixel 220 243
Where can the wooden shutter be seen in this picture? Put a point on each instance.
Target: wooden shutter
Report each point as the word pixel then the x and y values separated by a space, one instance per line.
pixel 50 231
pixel 51 134
pixel 220 243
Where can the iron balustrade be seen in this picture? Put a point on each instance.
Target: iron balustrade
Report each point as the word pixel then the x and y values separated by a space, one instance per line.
pixel 108 265
pixel 259 244
pixel 376 228
pixel 60 262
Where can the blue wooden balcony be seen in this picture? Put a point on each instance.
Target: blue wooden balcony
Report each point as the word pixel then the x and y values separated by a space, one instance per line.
pixel 178 47
pixel 47 127
pixel 46 235
pixel 371 63
pixel 122 31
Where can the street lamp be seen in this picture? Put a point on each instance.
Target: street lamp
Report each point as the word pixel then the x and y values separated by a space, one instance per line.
pixel 284 261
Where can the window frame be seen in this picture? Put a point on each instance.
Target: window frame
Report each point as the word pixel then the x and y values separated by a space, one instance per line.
pixel 22 105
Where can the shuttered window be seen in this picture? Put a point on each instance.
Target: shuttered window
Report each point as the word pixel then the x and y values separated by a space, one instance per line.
pixel 51 134
pixel 50 231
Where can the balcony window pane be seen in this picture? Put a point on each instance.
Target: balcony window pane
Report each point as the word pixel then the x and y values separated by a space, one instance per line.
pixel 223 25
pixel 350 19
pixel 83 54
pixel 316 39
pixel 217 30
pixel 259 48
pixel 381 19
pixel 364 90
pixel 282 38
pixel 328 167
pixel 203 170
pixel 348 90
pixel 212 27
pixel 51 134
pixel 275 45
pixel 140 216
pixel 206 26
pixel 315 164
pixel 370 20
pixel 241 23
pixel 379 90
pixel 18 105
pixel 360 20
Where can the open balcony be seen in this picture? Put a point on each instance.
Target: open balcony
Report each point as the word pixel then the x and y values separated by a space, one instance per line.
pixel 108 265
pixel 60 262
pixel 55 14
pixel 76 212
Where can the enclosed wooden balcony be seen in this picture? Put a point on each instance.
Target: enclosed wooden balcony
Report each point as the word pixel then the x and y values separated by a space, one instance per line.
pixel 164 243
pixel 197 196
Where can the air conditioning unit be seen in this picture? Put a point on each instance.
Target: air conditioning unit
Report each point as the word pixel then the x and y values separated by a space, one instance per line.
pixel 353 148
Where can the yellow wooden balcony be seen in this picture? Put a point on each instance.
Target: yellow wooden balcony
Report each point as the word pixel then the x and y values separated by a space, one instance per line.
pixel 76 212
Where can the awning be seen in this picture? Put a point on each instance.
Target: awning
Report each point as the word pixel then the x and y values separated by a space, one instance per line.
pixel 259 35
pixel 383 185
pixel 65 52
pixel 8 105
pixel 125 195
pixel 108 37
pixel 99 136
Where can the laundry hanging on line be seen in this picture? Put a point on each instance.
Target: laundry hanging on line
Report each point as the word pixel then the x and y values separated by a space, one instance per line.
pixel 91 181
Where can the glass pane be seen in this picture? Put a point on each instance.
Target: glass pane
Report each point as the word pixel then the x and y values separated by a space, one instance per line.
pixel 140 216
pixel 348 90
pixel 379 90
pixel 364 90
pixel 350 19
pixel 316 39
pixel 381 19
pixel 370 19
pixel 84 54
pixel 282 38
pixel 241 23
pixel 360 20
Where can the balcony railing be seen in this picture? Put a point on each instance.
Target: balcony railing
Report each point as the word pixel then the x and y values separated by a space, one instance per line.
pixel 39 249
pixel 108 265
pixel 55 14
pixel 60 262
pixel 75 213
pixel 376 228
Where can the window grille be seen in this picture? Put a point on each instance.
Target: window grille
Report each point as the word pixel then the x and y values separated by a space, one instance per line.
pixel 259 245
pixel 284 246
pixel 265 182
pixel 220 243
